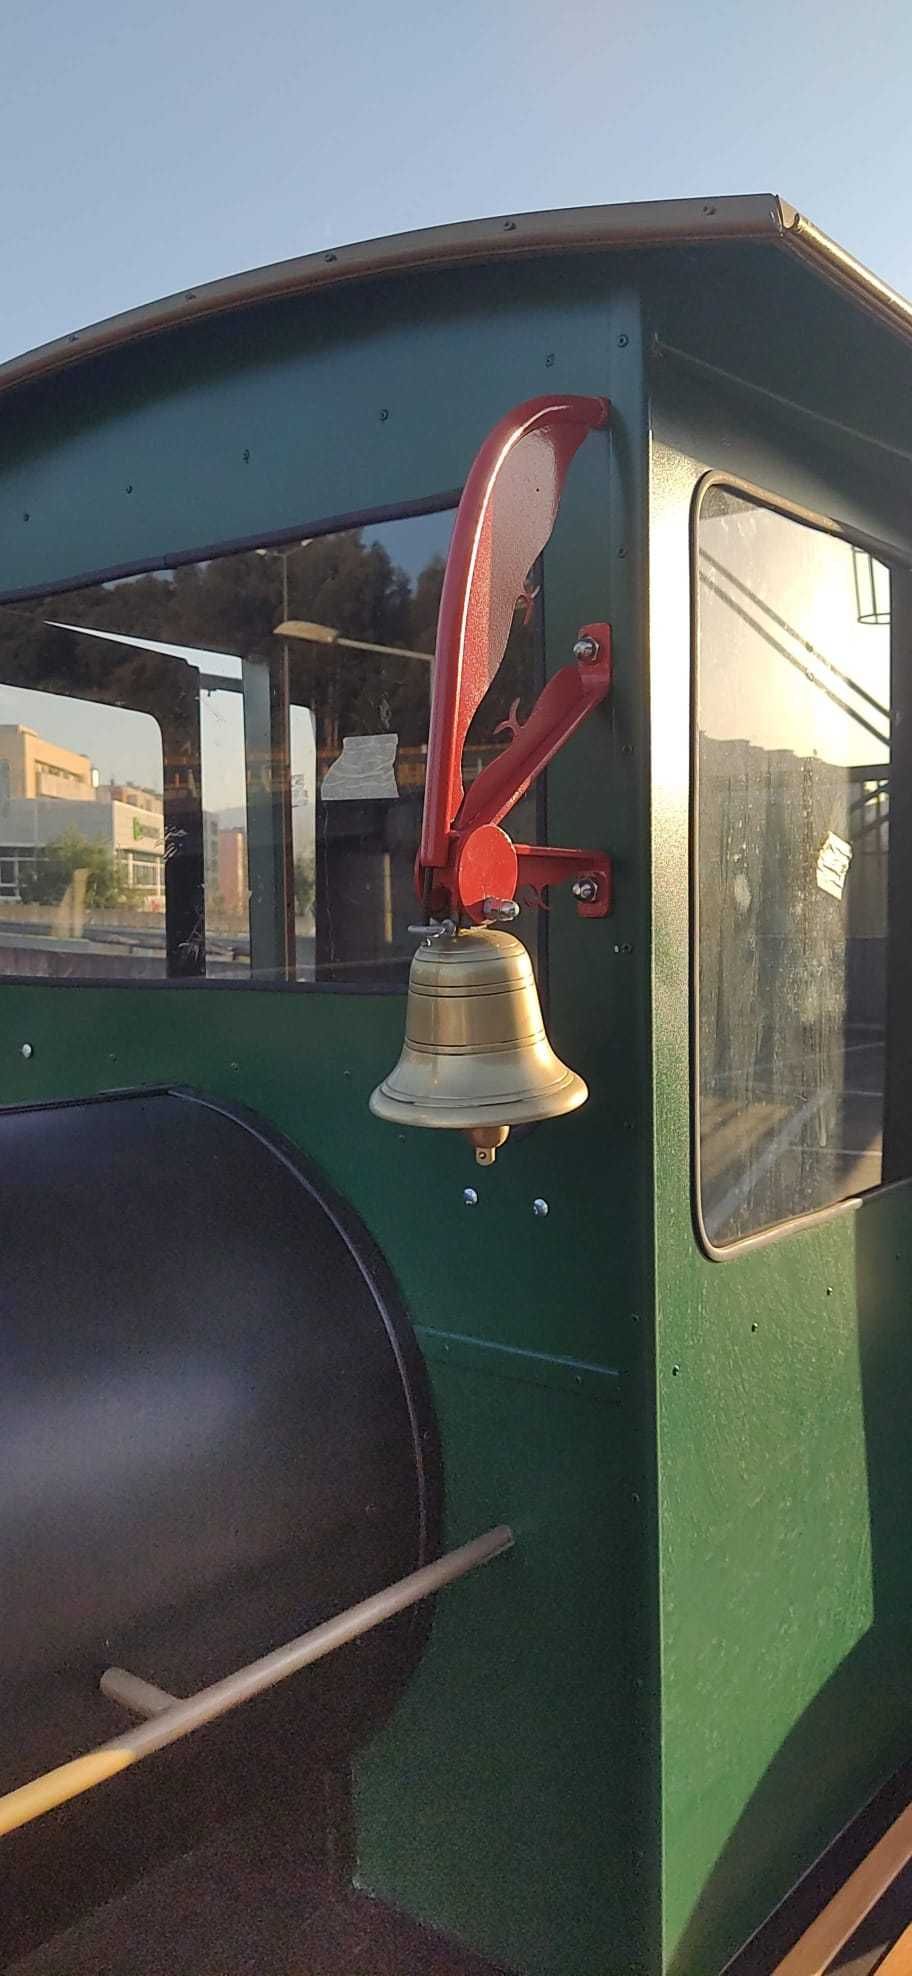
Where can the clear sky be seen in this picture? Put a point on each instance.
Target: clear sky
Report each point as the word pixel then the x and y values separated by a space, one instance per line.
pixel 146 148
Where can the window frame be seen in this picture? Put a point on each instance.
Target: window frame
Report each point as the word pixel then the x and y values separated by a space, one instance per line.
pixel 900 632
pixel 443 503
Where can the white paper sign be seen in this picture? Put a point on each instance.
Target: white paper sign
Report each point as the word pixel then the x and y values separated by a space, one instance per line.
pixel 833 863
pixel 364 772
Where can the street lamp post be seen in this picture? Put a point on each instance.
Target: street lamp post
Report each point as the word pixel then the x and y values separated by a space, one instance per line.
pixel 326 634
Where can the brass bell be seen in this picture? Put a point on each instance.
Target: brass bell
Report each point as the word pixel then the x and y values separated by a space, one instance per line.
pixel 476 1058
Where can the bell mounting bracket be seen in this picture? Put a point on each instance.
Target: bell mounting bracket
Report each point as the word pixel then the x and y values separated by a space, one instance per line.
pixel 468 868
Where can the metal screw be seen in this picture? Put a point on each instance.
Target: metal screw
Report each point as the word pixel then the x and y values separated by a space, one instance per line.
pixel 509 226
pixel 27 1051
pixel 585 888
pixel 329 257
pixel 470 1197
pixel 586 648
pixel 539 1207
pixel 623 342
pixel 504 909
pixel 384 415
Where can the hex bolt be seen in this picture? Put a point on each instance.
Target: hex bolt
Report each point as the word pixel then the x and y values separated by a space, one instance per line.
pixel 539 1207
pixel 585 889
pixel 470 1197
pixel 27 1051
pixel 502 909
pixel 586 648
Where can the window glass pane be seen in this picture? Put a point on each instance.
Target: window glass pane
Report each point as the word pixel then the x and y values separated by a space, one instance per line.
pixel 224 800
pixel 83 856
pixel 793 710
pixel 288 772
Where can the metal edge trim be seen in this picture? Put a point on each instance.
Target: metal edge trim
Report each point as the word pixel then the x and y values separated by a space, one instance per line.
pixel 843 271
pixel 515 1362
pixel 645 223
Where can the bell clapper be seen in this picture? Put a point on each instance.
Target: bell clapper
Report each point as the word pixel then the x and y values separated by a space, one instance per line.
pixel 487 1140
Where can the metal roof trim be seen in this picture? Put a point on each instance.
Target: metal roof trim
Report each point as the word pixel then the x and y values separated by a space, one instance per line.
pixel 647 223
pixel 839 267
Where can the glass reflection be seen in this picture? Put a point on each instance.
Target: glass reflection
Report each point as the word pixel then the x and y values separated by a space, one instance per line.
pixel 793 814
pixel 275 779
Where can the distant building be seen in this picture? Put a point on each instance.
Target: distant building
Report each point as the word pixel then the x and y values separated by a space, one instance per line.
pixel 134 797
pixel 232 870
pixel 32 767
pixel 48 792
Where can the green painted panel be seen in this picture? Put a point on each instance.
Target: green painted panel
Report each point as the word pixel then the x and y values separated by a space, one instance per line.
pixel 533 1832
pixel 785 1486
pixel 518 1752
pixel 271 418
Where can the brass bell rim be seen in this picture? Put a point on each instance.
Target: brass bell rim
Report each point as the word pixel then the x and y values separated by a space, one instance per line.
pixel 456 1115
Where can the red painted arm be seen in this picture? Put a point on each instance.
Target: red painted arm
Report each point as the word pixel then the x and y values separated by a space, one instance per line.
pixel 562 704
pixel 505 517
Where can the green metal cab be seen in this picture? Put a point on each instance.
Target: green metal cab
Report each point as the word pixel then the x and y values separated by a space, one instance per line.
pixel 684 1385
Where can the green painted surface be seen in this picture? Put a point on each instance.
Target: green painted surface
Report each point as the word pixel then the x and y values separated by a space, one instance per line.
pixel 524 1821
pixel 785 1484
pixel 515 1743
pixel 548 1766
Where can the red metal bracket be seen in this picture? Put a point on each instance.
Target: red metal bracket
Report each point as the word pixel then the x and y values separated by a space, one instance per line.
pixel 466 862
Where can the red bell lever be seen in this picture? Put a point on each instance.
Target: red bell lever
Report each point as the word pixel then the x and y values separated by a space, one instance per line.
pixel 505 517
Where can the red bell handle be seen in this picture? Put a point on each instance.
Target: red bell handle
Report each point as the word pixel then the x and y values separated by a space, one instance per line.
pixel 505 517
pixel 466 865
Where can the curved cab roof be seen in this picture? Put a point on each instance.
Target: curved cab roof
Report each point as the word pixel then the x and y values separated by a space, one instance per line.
pixel 761 217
